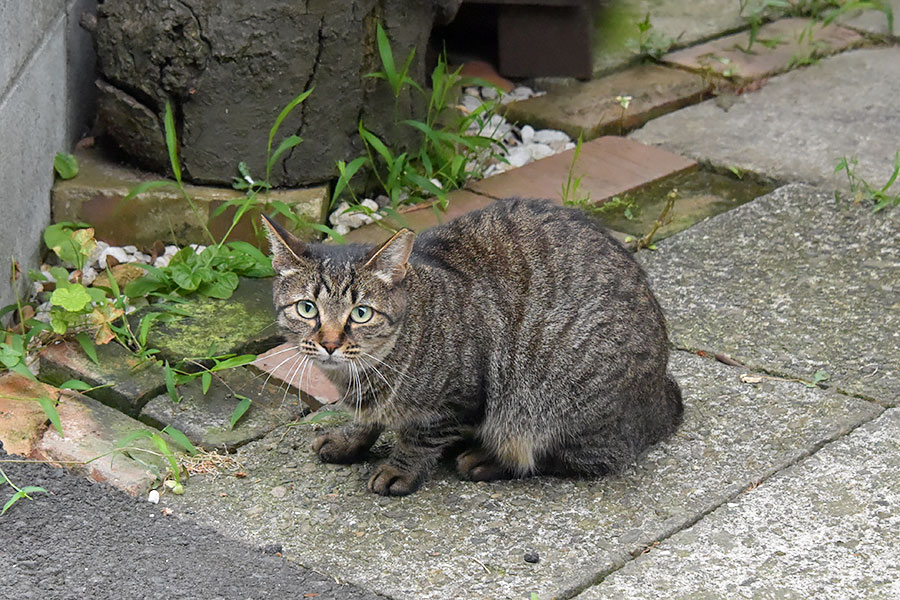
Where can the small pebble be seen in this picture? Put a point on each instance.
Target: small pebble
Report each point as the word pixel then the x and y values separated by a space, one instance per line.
pixel 279 491
pixel 532 557
pixel 153 497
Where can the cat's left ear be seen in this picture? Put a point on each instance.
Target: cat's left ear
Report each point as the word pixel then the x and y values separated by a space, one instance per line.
pixel 286 249
pixel 389 262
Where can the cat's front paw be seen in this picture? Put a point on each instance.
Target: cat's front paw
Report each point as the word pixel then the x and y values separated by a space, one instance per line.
pixel 335 447
pixel 389 480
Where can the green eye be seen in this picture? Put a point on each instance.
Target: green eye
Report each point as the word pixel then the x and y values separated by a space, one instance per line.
pixel 307 309
pixel 360 314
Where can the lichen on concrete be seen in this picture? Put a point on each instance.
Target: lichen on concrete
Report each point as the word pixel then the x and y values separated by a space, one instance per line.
pixel 468 540
pixel 244 323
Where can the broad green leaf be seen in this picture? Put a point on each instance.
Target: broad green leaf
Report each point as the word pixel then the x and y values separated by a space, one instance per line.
pixel 22 370
pixel 179 438
pixel 234 361
pixel 87 344
pixel 75 384
pixel 74 298
pixel 205 381
pixel 222 287
pixel 49 407
pixel 23 493
pixel 172 142
pixel 240 409
pixel 66 165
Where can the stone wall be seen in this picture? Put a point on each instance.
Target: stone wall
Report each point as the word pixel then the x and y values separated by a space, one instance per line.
pixel 46 98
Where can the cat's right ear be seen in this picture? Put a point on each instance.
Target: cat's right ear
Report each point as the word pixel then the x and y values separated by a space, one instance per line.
pixel 286 249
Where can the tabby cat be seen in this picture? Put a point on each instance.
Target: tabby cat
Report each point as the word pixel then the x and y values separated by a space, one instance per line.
pixel 521 337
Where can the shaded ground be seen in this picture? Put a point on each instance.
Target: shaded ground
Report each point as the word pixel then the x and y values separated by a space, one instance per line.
pixel 86 540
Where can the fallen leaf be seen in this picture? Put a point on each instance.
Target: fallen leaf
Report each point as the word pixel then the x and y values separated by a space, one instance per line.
pixel 748 378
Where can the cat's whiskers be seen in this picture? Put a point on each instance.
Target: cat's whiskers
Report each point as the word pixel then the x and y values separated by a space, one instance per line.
pixel 272 371
pixel 301 360
pixel 400 374
pixel 381 375
pixel 307 369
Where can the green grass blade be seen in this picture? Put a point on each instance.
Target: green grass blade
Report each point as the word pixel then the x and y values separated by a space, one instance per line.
pixel 328 231
pixel 387 59
pixel 49 408
pixel 234 361
pixel 282 116
pixel 87 344
pixel 75 384
pixel 170 383
pixel 285 145
pixel 372 140
pixel 172 142
pixel 205 381
pixel 146 186
pixel 347 172
pixel 240 409
pixel 179 438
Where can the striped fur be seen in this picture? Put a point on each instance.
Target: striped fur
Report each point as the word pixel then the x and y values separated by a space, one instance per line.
pixel 521 334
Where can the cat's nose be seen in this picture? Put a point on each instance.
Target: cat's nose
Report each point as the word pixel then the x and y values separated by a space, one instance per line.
pixel 330 346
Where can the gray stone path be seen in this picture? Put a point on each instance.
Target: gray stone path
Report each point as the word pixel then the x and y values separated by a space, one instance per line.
pixel 468 540
pixel 799 124
pixel 824 528
pixel 790 284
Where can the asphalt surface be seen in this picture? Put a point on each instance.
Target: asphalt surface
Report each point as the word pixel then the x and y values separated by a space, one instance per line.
pixel 87 540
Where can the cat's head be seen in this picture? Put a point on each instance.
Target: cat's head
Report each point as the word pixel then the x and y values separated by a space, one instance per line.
pixel 340 303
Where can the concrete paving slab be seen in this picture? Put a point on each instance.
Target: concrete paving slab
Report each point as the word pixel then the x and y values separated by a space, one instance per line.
pixel 778 47
pixel 790 284
pixel 456 539
pixel 592 109
pixel 799 124
pixel 824 528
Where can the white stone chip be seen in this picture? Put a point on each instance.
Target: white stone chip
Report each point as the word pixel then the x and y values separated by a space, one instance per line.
pixel 153 497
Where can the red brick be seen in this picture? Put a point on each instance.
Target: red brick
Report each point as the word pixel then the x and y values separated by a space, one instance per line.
pixel 22 420
pixel 608 166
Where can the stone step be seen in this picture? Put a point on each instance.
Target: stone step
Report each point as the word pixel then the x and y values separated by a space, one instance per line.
pixel 778 47
pixel 91 435
pixel 608 166
pixel 96 195
pixel 595 108
pixel 130 383
pixel 419 218
pixel 22 420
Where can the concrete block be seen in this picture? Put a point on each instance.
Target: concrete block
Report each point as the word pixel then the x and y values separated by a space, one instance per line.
pixel 32 127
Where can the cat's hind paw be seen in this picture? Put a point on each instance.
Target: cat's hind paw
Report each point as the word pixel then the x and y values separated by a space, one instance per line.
pixel 389 480
pixel 477 464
